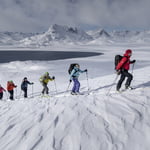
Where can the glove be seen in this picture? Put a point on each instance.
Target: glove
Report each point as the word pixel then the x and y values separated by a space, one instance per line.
pixel 133 61
pixel 53 78
pixel 70 81
pixel 85 70
pixel 32 83
pixel 118 72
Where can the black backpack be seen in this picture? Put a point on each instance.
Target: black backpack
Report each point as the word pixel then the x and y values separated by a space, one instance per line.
pixel 71 68
pixel 117 59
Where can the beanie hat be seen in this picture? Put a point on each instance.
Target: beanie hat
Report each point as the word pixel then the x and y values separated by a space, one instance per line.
pixel 46 73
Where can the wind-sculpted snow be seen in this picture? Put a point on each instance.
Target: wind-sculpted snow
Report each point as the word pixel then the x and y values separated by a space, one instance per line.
pixel 93 121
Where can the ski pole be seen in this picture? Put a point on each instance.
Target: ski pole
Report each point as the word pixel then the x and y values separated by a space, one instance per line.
pixel 32 90
pixel 16 92
pixel 87 81
pixel 112 84
pixel 68 87
pixel 132 68
pixel 55 86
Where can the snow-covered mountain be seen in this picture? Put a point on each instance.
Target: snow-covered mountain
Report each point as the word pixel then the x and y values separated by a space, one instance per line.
pixel 72 35
pixel 10 38
pixel 57 33
pixel 100 33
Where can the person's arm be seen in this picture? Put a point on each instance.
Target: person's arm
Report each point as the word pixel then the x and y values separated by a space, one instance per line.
pixel 133 61
pixel 51 79
pixel 14 85
pixel 72 73
pixel 82 70
pixel 29 82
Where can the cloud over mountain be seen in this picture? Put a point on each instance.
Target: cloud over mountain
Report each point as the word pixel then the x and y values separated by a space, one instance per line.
pixel 37 15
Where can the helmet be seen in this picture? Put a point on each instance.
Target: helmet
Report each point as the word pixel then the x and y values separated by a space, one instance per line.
pixel 25 78
pixel 11 81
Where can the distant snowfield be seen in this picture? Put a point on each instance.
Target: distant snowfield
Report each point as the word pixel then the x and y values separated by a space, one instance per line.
pixel 97 120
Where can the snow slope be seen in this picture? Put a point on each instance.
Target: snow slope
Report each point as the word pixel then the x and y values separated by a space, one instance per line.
pixel 85 122
pixel 97 120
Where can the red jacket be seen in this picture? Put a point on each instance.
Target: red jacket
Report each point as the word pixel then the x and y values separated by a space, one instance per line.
pixel 2 89
pixel 10 86
pixel 125 61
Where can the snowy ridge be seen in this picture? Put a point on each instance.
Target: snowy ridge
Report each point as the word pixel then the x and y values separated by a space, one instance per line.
pixel 84 122
pixel 58 34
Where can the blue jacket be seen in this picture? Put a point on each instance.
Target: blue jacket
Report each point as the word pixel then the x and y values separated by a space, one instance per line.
pixel 75 73
pixel 24 84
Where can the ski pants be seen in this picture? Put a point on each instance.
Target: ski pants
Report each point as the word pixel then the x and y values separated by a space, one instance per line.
pixel 1 95
pixel 25 92
pixel 76 85
pixel 11 94
pixel 124 74
pixel 45 88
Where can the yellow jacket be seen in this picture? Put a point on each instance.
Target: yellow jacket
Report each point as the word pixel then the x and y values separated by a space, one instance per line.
pixel 45 79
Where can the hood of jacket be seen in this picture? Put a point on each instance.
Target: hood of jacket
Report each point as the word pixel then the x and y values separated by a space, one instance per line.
pixel 128 53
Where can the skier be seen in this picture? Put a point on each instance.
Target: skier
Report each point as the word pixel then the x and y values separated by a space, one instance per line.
pixel 122 68
pixel 24 86
pixel 1 92
pixel 44 79
pixel 74 76
pixel 10 89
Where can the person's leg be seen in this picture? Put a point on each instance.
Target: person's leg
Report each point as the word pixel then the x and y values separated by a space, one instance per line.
pixel 74 85
pixel 25 92
pixel 11 95
pixel 43 91
pixel 45 88
pixel 122 77
pixel 77 86
pixel 1 95
pixel 129 79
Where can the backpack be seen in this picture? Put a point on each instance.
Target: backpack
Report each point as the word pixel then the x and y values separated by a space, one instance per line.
pixel 71 68
pixel 117 59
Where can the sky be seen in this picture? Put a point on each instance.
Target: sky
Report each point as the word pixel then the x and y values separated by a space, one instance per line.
pixel 38 16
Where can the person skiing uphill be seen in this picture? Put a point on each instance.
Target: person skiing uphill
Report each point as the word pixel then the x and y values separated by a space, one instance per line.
pixel 74 75
pixel 10 89
pixel 1 92
pixel 24 86
pixel 122 68
pixel 44 79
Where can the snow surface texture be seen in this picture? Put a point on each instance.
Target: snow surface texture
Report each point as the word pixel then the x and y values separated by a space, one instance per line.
pixel 101 119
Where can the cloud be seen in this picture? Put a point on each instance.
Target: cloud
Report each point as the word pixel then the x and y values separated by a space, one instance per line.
pixel 37 15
